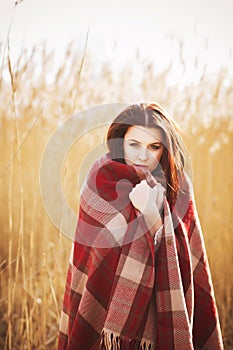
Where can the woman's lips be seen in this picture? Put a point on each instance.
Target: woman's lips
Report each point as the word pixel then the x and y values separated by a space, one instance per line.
pixel 141 165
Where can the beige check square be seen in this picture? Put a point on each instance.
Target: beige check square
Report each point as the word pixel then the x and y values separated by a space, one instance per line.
pixel 132 270
pixel 64 323
pixel 117 226
pixel 78 281
pixel 177 300
pixel 195 261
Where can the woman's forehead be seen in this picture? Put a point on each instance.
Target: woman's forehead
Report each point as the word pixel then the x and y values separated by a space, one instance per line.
pixel 144 134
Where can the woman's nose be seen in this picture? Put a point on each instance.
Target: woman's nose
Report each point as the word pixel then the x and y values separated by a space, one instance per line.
pixel 143 154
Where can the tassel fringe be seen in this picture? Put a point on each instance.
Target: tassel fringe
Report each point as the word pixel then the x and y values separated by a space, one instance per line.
pixel 113 341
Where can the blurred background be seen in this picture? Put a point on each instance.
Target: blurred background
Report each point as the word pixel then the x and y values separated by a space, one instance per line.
pixel 58 58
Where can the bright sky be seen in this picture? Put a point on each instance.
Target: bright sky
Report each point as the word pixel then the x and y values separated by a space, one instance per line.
pixel 118 28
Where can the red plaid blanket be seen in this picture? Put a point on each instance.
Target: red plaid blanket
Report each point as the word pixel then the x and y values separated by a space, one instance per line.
pixel 120 293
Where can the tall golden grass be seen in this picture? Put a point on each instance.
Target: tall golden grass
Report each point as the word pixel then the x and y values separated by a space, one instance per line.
pixel 34 253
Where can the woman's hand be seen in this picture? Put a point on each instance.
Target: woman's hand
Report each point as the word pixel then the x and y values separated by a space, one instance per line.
pixel 149 202
pixel 145 198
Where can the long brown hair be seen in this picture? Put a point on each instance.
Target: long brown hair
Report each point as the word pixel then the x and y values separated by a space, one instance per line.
pixel 153 116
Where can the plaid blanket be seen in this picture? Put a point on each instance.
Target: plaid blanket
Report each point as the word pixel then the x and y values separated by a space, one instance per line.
pixel 121 292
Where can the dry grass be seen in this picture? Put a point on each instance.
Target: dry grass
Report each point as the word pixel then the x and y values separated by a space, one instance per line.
pixel 34 254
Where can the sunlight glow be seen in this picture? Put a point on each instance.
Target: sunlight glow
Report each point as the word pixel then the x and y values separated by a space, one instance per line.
pixel 158 32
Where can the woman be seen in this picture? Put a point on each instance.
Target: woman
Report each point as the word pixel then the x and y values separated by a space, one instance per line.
pixel 138 276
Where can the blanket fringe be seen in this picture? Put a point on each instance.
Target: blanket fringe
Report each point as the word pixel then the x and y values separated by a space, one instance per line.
pixel 110 341
pixel 114 341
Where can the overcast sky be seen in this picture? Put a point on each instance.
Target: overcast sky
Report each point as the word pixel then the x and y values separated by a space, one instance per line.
pixel 118 28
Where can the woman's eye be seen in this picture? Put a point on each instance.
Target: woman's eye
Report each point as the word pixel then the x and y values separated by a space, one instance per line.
pixel 134 144
pixel 155 147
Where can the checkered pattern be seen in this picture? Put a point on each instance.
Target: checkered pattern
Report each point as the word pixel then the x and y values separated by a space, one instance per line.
pixel 121 293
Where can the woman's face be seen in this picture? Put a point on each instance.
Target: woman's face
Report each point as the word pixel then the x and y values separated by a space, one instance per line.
pixel 143 146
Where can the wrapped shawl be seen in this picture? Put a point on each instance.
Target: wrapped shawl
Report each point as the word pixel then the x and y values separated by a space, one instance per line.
pixel 122 294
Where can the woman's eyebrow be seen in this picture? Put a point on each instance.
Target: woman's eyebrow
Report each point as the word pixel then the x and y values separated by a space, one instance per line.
pixel 156 143
pixel 133 140
pixel 153 143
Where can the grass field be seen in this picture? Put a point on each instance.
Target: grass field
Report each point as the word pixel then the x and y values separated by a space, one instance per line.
pixel 33 252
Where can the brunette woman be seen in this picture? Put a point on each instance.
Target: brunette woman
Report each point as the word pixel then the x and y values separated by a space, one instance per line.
pixel 138 276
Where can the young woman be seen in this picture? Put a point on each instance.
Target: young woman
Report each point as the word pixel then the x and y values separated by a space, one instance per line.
pixel 138 276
